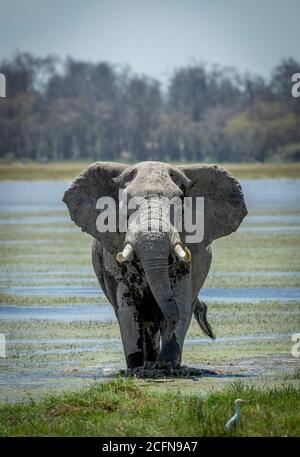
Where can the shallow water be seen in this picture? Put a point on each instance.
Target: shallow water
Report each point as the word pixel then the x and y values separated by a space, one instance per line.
pixel 45 290
pixel 117 341
pixel 41 381
pixel 64 219
pixel 75 271
pixel 87 274
pixel 45 279
pixel 32 196
pixel 103 313
pixel 47 196
pixel 272 219
pixel 255 294
pixel 30 242
pixel 54 220
pixel 95 345
pixel 215 294
pixel 35 220
pixel 78 279
pixel 270 229
pixel 272 194
pixel 256 273
pixel 52 363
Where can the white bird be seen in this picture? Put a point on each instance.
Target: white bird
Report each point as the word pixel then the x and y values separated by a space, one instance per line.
pixel 236 418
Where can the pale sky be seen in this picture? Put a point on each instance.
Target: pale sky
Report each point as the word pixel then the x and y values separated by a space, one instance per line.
pixel 155 36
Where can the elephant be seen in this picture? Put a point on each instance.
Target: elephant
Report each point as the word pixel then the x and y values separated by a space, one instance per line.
pixel 152 278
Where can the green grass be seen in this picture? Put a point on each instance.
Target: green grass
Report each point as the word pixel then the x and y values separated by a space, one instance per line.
pixel 124 408
pixel 48 300
pixel 68 170
pixel 255 251
pixel 227 319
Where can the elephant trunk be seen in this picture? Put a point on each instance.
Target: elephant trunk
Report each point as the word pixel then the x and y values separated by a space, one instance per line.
pixel 157 274
pixel 153 238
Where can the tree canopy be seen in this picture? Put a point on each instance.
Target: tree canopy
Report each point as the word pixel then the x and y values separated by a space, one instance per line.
pixel 72 110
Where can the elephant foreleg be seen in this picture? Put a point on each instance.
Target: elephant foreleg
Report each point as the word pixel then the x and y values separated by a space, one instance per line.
pixel 151 342
pixel 172 349
pixel 131 328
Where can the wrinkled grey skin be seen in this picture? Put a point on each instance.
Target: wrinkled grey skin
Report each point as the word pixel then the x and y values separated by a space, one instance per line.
pixel 154 293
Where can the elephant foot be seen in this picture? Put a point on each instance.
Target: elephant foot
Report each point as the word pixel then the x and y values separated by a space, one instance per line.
pixel 135 360
pixel 163 365
pixel 170 353
pixel 160 365
pixel 158 370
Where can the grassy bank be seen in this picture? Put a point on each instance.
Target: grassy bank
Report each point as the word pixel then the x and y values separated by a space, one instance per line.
pixel 124 408
pixel 67 170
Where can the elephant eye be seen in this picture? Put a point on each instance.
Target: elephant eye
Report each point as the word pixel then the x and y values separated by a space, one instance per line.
pixel 130 176
pixel 235 198
pixel 126 177
pixel 177 179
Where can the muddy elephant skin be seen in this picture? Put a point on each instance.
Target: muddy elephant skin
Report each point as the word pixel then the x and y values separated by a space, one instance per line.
pixel 153 277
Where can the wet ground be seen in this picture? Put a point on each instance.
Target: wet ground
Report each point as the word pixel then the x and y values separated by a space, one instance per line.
pixel 62 334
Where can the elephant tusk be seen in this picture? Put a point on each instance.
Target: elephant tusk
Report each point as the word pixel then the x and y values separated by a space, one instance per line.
pixel 182 254
pixel 126 254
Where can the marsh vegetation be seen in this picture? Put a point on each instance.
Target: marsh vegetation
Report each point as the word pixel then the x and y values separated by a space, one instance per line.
pixel 62 335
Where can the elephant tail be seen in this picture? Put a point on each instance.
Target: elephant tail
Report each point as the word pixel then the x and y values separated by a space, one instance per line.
pixel 200 316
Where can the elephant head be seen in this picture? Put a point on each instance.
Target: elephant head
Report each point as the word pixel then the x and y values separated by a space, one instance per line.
pixel 224 209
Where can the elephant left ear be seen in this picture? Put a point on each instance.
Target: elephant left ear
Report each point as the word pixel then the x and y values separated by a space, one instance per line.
pixel 224 204
pixel 81 198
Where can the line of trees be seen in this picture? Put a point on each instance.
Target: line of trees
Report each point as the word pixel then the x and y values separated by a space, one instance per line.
pixel 73 110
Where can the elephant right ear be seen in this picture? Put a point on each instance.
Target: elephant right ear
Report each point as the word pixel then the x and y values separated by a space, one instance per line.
pixel 224 204
pixel 82 196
